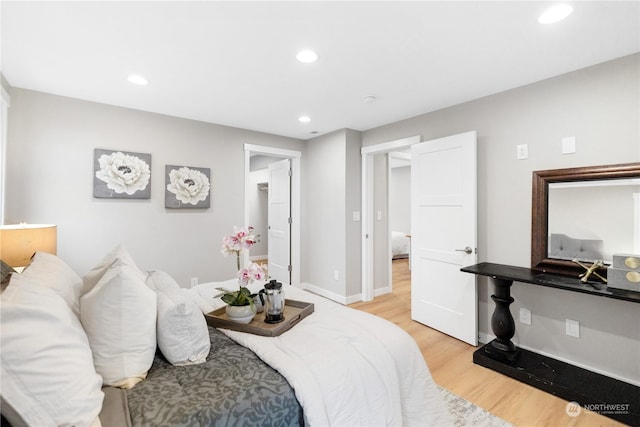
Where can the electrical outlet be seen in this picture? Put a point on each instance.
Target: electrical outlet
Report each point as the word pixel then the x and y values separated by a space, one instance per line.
pixel 573 328
pixel 525 316
pixel 194 281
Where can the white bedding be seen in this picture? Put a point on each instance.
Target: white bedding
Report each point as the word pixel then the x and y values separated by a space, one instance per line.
pixel 399 244
pixel 347 367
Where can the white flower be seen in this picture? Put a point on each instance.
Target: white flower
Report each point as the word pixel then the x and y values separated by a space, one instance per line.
pixel 189 185
pixel 123 173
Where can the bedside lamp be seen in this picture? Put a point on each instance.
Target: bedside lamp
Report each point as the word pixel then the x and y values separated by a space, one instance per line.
pixel 19 242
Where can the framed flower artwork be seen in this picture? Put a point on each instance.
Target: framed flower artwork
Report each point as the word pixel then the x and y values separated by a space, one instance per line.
pixel 187 187
pixel 121 174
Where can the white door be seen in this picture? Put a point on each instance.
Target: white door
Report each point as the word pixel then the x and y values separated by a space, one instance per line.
pixel 443 235
pixel 279 219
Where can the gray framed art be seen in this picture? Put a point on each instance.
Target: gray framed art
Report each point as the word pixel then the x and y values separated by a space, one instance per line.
pixel 187 187
pixel 121 174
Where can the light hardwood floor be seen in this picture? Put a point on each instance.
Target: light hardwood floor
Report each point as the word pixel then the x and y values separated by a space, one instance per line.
pixel 451 365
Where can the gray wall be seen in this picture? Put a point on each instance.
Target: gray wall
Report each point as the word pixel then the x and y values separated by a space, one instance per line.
pixel 400 199
pixel 600 107
pixel 324 169
pixel 50 175
pixel 332 186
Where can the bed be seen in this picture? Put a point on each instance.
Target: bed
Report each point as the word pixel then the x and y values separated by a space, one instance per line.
pixel 133 348
pixel 400 245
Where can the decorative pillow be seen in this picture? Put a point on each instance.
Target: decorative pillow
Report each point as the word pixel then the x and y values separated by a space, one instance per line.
pixel 119 317
pixel 5 273
pixel 49 271
pixel 94 275
pixel 183 336
pixel 48 377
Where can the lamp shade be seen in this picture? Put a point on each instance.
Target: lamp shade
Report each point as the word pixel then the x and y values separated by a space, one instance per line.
pixel 19 242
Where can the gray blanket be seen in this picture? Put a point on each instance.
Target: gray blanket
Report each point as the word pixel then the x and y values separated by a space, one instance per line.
pixel 232 388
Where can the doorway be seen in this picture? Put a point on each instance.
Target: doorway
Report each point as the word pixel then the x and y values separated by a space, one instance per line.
pixel 252 192
pixel 370 221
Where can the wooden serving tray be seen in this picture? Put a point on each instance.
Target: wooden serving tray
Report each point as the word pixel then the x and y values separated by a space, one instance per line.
pixel 294 311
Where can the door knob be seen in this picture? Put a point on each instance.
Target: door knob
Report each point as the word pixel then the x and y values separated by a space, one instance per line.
pixel 466 250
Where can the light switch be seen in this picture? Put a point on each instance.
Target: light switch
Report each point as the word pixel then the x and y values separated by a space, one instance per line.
pixel 379 215
pixel 355 215
pixel 522 151
pixel 569 145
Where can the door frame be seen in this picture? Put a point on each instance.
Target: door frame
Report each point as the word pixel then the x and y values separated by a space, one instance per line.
pixel 368 209
pixel 294 155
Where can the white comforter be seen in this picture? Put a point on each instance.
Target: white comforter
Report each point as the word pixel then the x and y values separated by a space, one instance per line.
pixel 347 367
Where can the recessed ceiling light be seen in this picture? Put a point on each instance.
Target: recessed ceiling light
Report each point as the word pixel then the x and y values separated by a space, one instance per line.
pixel 555 13
pixel 137 80
pixel 307 56
pixel 369 99
pixel 304 119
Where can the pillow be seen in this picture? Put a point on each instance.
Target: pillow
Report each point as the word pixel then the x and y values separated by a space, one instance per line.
pixel 182 332
pixel 119 317
pixel 94 275
pixel 5 273
pixel 48 377
pixel 49 271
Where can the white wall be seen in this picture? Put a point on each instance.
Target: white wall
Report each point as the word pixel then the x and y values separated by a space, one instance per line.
pixel 600 107
pixel 50 176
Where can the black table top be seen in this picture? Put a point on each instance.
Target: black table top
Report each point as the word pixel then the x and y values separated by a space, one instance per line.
pixel 535 277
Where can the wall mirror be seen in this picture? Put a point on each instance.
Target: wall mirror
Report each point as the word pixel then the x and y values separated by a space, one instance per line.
pixel 587 214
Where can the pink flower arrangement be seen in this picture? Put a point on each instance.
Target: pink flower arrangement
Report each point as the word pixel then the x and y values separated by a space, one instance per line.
pixel 243 239
pixel 249 274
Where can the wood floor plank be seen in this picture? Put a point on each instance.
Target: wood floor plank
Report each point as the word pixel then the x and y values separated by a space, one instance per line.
pixel 451 364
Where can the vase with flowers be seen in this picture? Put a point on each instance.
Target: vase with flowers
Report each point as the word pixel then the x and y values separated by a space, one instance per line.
pixel 240 305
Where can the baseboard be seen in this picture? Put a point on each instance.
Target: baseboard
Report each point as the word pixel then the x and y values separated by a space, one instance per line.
pixel 340 298
pixel 486 338
pixel 324 293
pixel 257 257
pixel 581 365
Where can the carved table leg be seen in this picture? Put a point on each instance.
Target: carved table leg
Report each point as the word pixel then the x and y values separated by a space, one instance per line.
pixel 502 322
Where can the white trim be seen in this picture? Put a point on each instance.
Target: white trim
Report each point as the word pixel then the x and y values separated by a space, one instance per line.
pixel 341 299
pixel 385 147
pixel 485 338
pixel 580 365
pixel 367 207
pixel 295 198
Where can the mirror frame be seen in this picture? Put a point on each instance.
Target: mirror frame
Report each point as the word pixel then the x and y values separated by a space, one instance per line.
pixel 540 205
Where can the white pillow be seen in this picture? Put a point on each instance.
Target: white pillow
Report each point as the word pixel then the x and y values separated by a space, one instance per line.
pixel 183 336
pixel 93 276
pixel 119 317
pixel 46 367
pixel 49 271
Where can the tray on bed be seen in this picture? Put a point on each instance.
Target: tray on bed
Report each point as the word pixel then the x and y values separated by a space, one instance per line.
pixel 294 311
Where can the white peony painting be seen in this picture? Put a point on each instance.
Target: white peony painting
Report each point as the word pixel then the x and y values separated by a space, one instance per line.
pixel 121 174
pixel 187 187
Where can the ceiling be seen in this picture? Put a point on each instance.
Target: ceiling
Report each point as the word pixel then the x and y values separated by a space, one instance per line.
pixel 233 63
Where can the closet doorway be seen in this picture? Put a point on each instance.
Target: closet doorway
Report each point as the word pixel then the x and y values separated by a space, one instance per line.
pixel 272 207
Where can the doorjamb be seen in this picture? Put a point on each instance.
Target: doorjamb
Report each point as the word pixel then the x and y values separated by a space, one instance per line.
pixel 367 206
pixel 250 149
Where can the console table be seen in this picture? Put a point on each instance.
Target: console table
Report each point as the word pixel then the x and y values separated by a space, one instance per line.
pixel 553 376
